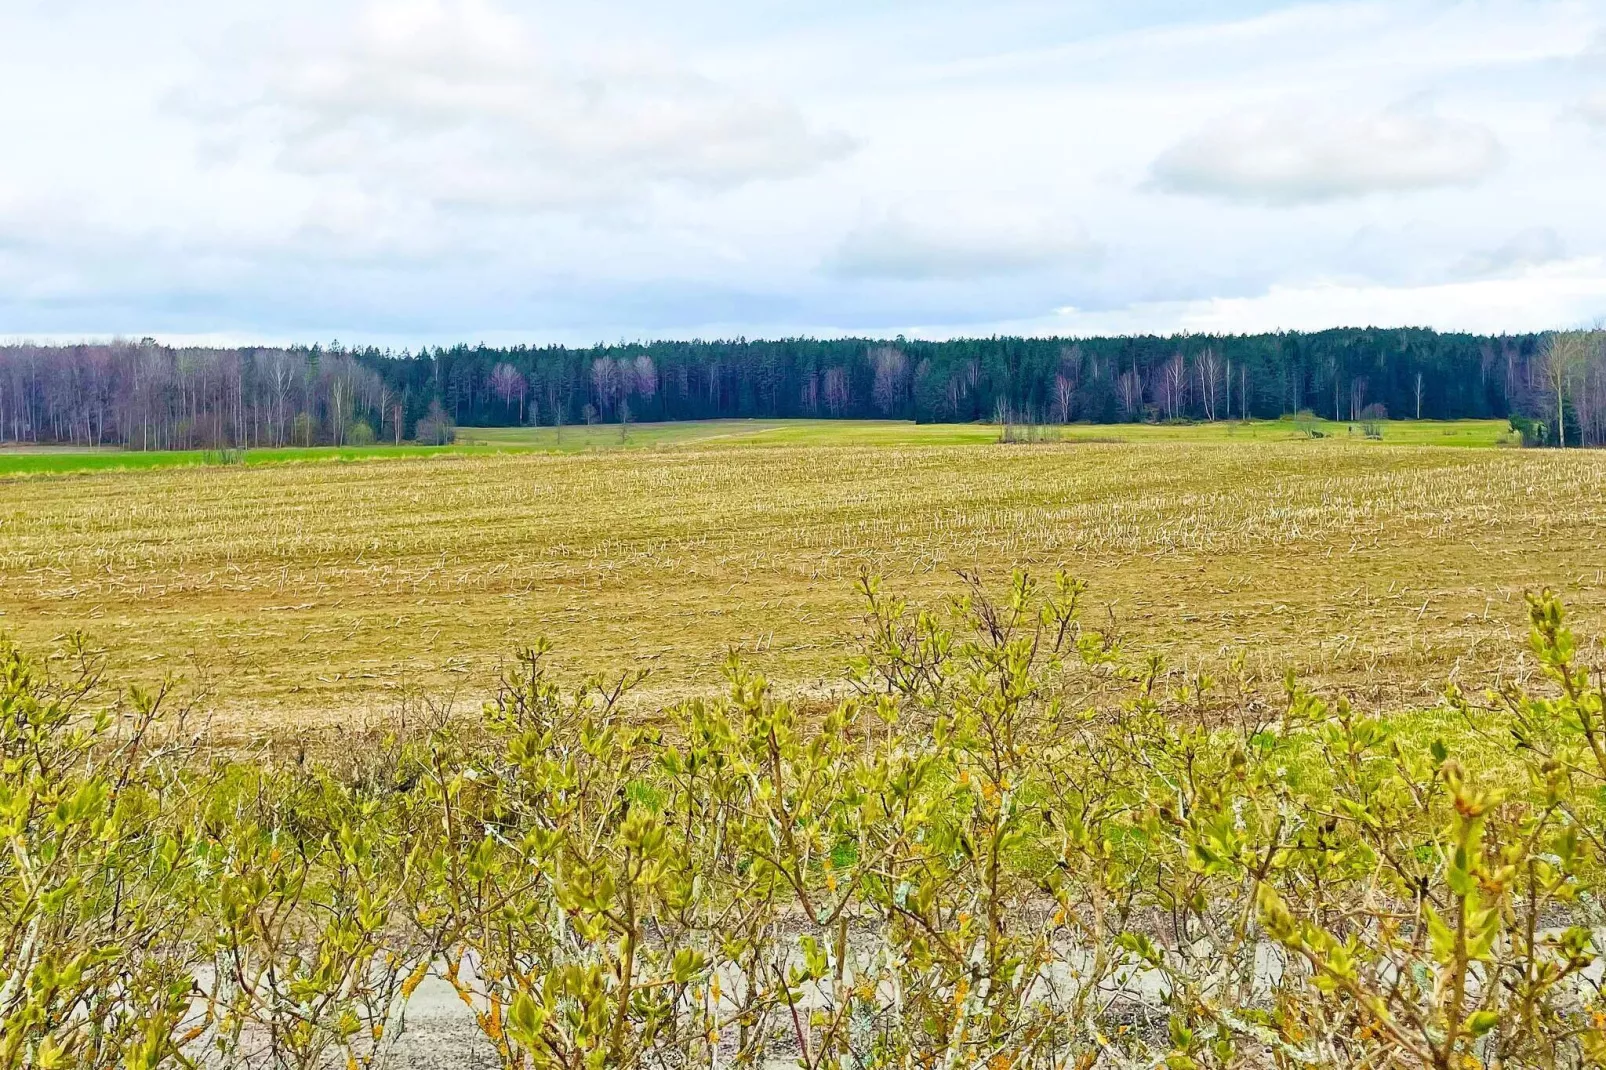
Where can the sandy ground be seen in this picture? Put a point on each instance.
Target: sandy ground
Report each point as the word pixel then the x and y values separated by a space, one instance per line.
pixel 439 1033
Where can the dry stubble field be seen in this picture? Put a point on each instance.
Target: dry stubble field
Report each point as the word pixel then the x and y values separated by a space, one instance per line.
pixel 320 593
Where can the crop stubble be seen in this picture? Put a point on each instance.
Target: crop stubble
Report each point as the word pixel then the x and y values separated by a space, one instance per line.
pixel 318 593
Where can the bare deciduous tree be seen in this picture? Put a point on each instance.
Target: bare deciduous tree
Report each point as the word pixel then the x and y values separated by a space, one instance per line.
pixel 891 379
pixel 1064 397
pixel 1129 388
pixel 837 391
pixel 645 376
pixel 1560 359
pixel 605 383
pixel 1357 396
pixel 1588 388
pixel 1209 368
pixel 1173 386
pixel 809 394
pixel 508 385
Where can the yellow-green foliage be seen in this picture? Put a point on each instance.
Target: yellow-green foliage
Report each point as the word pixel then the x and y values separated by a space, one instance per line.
pixel 1014 844
pixel 322 592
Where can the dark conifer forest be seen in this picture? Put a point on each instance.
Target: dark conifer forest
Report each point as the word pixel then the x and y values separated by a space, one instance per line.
pixel 145 395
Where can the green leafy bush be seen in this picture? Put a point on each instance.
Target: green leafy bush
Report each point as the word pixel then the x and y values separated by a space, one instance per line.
pixel 1011 844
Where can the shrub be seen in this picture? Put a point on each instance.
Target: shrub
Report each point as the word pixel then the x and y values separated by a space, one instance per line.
pixel 1372 419
pixel 1011 844
pixel 97 941
pixel 435 428
pixel 1530 431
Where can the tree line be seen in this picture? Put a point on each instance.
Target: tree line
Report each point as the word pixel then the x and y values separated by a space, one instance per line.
pixel 144 395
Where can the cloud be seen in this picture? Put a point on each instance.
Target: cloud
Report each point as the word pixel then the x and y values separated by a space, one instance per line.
pixel 1593 110
pixel 455 103
pixel 1291 158
pixel 1527 249
pixel 895 247
pixel 456 167
pixel 1563 293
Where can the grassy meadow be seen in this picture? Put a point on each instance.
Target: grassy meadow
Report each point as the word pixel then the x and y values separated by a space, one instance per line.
pixel 51 460
pixel 716 434
pixel 323 591
pixel 722 433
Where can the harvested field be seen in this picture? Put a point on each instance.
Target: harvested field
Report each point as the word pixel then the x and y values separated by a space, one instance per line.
pixel 323 592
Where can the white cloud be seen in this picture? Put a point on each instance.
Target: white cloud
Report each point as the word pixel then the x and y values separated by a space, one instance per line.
pixel 956 248
pixel 456 103
pixel 1561 294
pixel 1530 248
pixel 1293 158
pixel 531 169
pixel 1592 110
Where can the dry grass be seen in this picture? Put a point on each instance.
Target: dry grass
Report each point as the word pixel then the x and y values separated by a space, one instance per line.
pixel 321 593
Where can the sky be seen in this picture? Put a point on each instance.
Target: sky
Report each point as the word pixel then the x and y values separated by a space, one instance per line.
pixel 433 171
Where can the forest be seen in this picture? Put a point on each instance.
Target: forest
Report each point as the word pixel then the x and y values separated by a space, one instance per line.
pixel 144 395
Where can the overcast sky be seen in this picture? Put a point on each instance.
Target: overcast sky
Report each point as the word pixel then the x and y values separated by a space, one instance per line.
pixel 507 170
